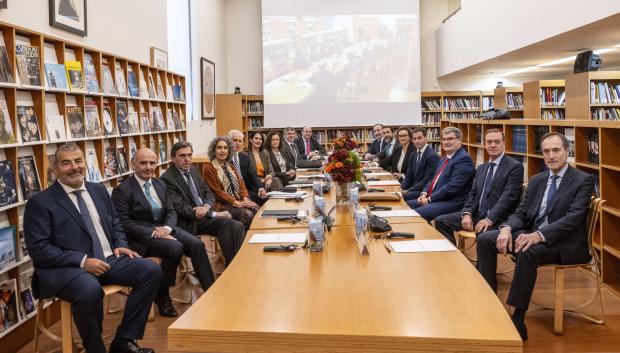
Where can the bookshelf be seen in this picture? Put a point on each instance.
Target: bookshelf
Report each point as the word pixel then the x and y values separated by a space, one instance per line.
pixel 461 105
pixel 594 95
pixel 240 112
pixel 151 117
pixel 510 98
pixel 544 99
pixel 432 112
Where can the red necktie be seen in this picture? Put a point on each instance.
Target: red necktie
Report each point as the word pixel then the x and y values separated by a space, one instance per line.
pixel 443 166
pixel 307 147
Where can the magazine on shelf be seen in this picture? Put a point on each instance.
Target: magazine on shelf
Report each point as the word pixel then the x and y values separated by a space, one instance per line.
pixel 110 164
pixel 56 77
pixel 109 127
pixel 75 119
pixel 108 81
pixel 28 176
pixel 28 64
pixel 120 82
pixel 92 166
pixel 8 187
pixel 6 70
pixel 90 75
pixel 55 126
pixel 160 88
pixel 27 301
pixel 8 248
pixel 7 136
pixel 76 78
pixel 132 84
pixel 123 167
pixel 133 149
pixel 93 124
pixel 132 116
pixel 122 119
pixel 145 122
pixel 9 308
pixel 28 124
pixel 50 173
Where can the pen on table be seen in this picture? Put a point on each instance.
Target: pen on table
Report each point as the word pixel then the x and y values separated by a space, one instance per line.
pixel 387 247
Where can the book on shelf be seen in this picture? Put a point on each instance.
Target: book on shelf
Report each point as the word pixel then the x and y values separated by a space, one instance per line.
pixel 123 167
pixel 23 254
pixel 569 132
pixel 109 127
pixel 169 120
pixel 593 149
pixel 7 136
pixel 514 100
pixel 553 114
pixel 56 76
pixel 606 114
pixel 120 81
pixel 28 64
pixel 132 117
pixel 160 88
pixel 122 119
pixel 76 79
pixel 145 122
pixel 177 93
pixel 93 123
pixel 8 247
pixel 552 96
pixel 488 103
pixel 27 301
pixel 431 118
pixel 431 104
pixel 151 85
pixel 255 108
pixel 108 81
pixel 539 132
pixel 169 95
pixel 462 115
pixel 144 92
pixel 28 176
pixel 479 134
pixel 110 163
pixel 92 166
pixel 50 173
pixel 9 313
pixel 519 139
pixel 433 133
pixel 75 119
pixel 177 120
pixel 28 124
pixel 462 103
pixel 55 127
pixel 8 187
pixel 6 70
pixel 604 93
pixel 90 75
pixel 157 122
pixel 132 84
pixel 133 149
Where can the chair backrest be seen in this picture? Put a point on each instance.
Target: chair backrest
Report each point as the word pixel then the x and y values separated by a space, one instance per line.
pixel 596 203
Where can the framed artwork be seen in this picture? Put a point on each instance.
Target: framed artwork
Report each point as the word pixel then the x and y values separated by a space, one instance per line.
pixel 69 15
pixel 159 58
pixel 207 88
pixel 3 4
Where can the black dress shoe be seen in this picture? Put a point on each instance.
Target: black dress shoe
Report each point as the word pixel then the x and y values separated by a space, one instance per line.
pixel 165 308
pixel 521 328
pixel 128 346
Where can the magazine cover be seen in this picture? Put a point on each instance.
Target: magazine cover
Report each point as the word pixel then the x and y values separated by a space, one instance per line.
pixel 93 125
pixel 134 126
pixel 50 174
pixel 120 82
pixel 9 312
pixel 152 94
pixel 145 122
pixel 122 120
pixel 133 149
pixel 6 128
pixel 132 81
pixel 55 126
pixel 56 76
pixel 8 253
pixel 92 166
pixel 28 64
pixel 28 176
pixel 110 167
pixel 75 117
pixel 27 301
pixel 76 79
pixel 123 167
pixel 28 124
pixel 6 71
pixel 160 89
pixel 90 75
pixel 109 127
pixel 108 81
pixel 8 187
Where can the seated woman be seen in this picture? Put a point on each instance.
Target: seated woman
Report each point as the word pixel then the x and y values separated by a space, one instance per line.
pixel 283 170
pixel 399 160
pixel 227 186
pixel 259 160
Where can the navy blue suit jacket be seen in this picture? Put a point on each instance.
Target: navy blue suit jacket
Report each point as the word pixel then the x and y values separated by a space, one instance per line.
pixel 57 238
pixel 455 181
pixel 418 175
pixel 375 146
pixel 503 194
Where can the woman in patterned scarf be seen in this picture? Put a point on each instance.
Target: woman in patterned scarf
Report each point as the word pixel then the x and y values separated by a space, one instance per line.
pixel 226 184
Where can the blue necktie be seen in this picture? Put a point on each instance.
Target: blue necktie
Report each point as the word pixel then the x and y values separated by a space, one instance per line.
pixel 388 152
pixel 155 208
pixel 552 189
pixel 88 221
pixel 192 189
pixel 484 208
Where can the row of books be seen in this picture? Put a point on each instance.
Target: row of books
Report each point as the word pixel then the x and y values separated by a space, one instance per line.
pixel 431 104
pixel 255 108
pixel 479 134
pixel 70 77
pixel 514 100
pixel 605 114
pixel 461 103
pixel 255 122
pixel 463 115
pixel 539 132
pixel 488 102
pixel 569 132
pixel 433 134
pixel 357 134
pixel 553 114
pixel 593 150
pixel 431 118
pixel 604 93
pixel 17 303
pixel 550 96
pixel 519 138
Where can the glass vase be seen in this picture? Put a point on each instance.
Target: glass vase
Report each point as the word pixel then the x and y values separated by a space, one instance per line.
pixel 343 193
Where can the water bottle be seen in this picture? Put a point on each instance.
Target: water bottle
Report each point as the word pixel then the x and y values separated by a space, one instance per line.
pixel 317 188
pixel 361 223
pixel 319 206
pixel 316 234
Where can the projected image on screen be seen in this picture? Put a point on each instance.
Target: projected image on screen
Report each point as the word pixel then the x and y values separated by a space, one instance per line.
pixel 341 70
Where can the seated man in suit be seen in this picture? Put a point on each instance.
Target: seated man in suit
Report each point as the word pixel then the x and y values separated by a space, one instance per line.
pixel 422 166
pixel 494 195
pixel 389 145
pixel 289 146
pixel 447 191
pixel 149 220
pixel 377 144
pixel 307 146
pixel 549 226
pixel 77 244
pixel 241 161
pixel 193 201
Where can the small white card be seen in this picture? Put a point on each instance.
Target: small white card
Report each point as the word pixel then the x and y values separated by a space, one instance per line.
pixel 383 183
pixel 380 174
pixel 429 245
pixel 267 238
pixel 396 213
pixel 311 176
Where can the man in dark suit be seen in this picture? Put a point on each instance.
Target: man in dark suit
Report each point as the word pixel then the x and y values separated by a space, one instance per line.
pixel 549 226
pixel 494 195
pixel 389 145
pixel 241 161
pixel 308 146
pixel 377 144
pixel 77 244
pixel 422 166
pixel 447 191
pixel 193 200
pixel 291 152
pixel 150 220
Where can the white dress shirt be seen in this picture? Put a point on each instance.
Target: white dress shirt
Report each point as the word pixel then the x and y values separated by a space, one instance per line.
pixel 153 195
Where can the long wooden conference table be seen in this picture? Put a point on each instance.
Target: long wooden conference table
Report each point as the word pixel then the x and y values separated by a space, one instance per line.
pixel 337 300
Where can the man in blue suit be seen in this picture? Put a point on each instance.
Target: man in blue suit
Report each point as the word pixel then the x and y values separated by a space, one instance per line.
pixel 447 191
pixel 377 144
pixel 422 166
pixel 494 195
pixel 77 245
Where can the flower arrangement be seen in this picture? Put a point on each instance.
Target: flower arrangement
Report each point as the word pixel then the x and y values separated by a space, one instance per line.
pixel 344 164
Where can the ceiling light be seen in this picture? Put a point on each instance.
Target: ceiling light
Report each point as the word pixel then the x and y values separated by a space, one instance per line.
pixel 559 61
pixel 617 45
pixel 602 51
pixel 525 69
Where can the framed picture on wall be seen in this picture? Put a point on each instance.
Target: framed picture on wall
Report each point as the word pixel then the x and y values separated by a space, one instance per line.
pixel 69 15
pixel 207 88
pixel 159 58
pixel 3 4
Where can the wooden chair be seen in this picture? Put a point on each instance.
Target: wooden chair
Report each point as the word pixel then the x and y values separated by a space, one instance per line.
pixel 594 266
pixel 66 321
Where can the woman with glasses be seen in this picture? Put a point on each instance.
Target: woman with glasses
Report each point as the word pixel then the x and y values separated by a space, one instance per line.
pixel 399 160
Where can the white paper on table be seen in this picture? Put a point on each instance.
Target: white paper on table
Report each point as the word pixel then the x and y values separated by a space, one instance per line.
pixel 379 174
pixel 311 176
pixel 287 195
pixel 265 238
pixel 427 245
pixel 396 213
pixel 383 182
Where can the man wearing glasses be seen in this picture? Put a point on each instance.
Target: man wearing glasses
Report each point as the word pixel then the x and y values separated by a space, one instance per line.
pixel 447 191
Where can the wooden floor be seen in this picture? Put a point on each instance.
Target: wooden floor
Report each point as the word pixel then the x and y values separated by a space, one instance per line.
pixel 579 335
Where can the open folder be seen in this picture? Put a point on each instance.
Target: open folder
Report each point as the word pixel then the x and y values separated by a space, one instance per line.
pixel 428 245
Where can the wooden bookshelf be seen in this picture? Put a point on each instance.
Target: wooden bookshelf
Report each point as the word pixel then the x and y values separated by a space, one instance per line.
pixel 239 112
pixel 591 95
pixel 47 101
pixel 534 106
pixel 510 98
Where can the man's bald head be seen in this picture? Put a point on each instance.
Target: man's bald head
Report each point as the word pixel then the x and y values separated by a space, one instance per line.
pixel 144 163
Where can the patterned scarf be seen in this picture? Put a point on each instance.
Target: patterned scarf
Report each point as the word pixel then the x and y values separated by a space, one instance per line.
pixel 228 179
